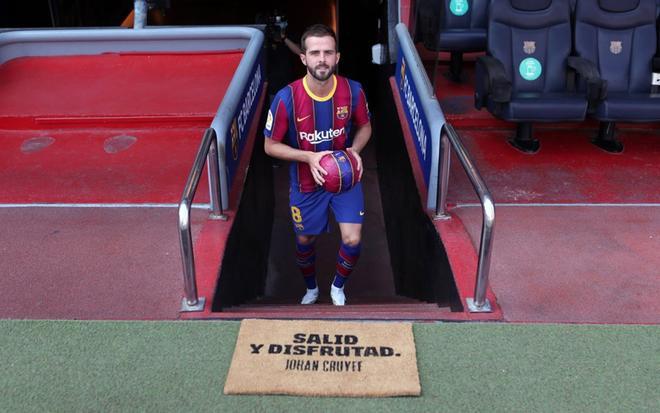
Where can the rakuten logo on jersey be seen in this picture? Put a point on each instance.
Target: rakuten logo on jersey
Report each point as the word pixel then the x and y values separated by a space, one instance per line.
pixel 320 136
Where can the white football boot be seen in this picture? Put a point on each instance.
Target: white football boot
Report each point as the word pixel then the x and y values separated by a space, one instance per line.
pixel 310 296
pixel 337 295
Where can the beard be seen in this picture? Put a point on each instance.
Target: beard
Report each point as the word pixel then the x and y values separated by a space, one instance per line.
pixel 322 72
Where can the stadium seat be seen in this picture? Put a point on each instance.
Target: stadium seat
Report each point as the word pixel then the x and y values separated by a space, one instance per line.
pixel 523 77
pixel 619 37
pixel 455 26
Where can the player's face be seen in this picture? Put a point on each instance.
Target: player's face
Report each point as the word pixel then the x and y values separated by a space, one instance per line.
pixel 320 57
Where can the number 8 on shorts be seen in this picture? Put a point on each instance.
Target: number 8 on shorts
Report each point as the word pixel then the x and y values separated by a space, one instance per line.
pixel 296 215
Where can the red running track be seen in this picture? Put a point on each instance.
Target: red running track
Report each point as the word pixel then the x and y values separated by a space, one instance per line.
pixel 107 129
pixel 115 85
pixel 98 165
pixel 91 263
pixel 113 128
pixel 567 169
pixel 574 264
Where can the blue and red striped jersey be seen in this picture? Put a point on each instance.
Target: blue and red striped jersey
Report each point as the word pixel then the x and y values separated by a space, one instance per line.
pixel 304 121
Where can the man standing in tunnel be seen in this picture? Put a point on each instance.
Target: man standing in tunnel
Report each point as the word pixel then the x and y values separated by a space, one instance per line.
pixel 308 119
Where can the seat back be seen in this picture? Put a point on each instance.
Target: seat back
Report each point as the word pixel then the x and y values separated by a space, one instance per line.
pixel 532 38
pixel 464 14
pixel 462 17
pixel 619 36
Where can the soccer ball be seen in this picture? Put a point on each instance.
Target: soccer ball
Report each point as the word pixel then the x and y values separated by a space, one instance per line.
pixel 343 174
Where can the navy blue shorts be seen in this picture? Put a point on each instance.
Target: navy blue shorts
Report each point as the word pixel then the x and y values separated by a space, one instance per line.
pixel 309 210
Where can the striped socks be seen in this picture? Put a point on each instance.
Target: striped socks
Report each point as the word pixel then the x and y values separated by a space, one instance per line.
pixel 346 260
pixel 306 259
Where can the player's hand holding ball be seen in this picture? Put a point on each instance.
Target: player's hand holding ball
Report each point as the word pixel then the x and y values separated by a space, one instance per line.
pixel 314 161
pixel 359 161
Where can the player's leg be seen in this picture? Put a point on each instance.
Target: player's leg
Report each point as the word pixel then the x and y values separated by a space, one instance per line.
pixel 348 208
pixel 306 261
pixel 309 217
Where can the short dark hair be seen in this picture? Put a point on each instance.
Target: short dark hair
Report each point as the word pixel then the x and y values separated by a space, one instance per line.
pixel 317 30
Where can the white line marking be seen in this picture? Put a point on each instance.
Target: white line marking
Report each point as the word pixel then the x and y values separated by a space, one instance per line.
pixel 37 205
pixel 652 205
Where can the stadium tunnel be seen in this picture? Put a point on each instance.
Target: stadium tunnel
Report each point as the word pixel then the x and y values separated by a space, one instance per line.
pixel 403 260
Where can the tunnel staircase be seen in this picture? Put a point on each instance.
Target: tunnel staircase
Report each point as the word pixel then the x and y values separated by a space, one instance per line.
pixel 358 308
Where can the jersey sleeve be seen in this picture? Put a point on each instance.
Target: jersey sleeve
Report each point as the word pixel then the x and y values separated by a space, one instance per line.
pixel 277 120
pixel 361 113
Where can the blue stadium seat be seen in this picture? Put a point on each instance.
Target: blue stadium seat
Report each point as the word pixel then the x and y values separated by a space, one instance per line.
pixel 620 38
pixel 523 78
pixel 455 26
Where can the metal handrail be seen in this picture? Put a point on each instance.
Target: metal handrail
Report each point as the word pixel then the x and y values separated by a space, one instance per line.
pixel 140 10
pixel 208 149
pixel 478 304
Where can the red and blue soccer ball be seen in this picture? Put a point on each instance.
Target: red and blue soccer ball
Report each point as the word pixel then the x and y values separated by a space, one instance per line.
pixel 342 169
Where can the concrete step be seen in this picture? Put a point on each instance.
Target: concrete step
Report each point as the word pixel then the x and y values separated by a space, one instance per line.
pixel 372 308
pixel 324 298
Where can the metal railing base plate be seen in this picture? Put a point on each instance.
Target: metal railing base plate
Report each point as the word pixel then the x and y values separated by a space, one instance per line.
pixel 218 217
pixel 187 308
pixel 441 217
pixel 473 308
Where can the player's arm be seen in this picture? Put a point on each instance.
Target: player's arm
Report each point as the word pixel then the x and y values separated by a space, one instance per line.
pixel 362 135
pixel 363 129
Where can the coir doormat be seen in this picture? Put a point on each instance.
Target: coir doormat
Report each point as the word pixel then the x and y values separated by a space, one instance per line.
pixel 324 358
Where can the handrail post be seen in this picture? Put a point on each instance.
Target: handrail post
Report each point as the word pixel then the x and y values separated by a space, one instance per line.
pixel 443 180
pixel 214 183
pixel 140 11
pixel 479 303
pixel 191 302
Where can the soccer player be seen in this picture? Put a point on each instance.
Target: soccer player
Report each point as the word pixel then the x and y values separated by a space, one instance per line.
pixel 308 119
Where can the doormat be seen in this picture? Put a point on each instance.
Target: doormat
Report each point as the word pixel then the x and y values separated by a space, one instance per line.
pixel 324 358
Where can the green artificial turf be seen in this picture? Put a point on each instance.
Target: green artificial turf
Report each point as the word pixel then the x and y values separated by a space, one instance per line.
pixel 65 366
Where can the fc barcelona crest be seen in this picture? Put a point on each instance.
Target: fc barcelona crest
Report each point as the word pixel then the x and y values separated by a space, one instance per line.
pixel 616 47
pixel 342 112
pixel 529 47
